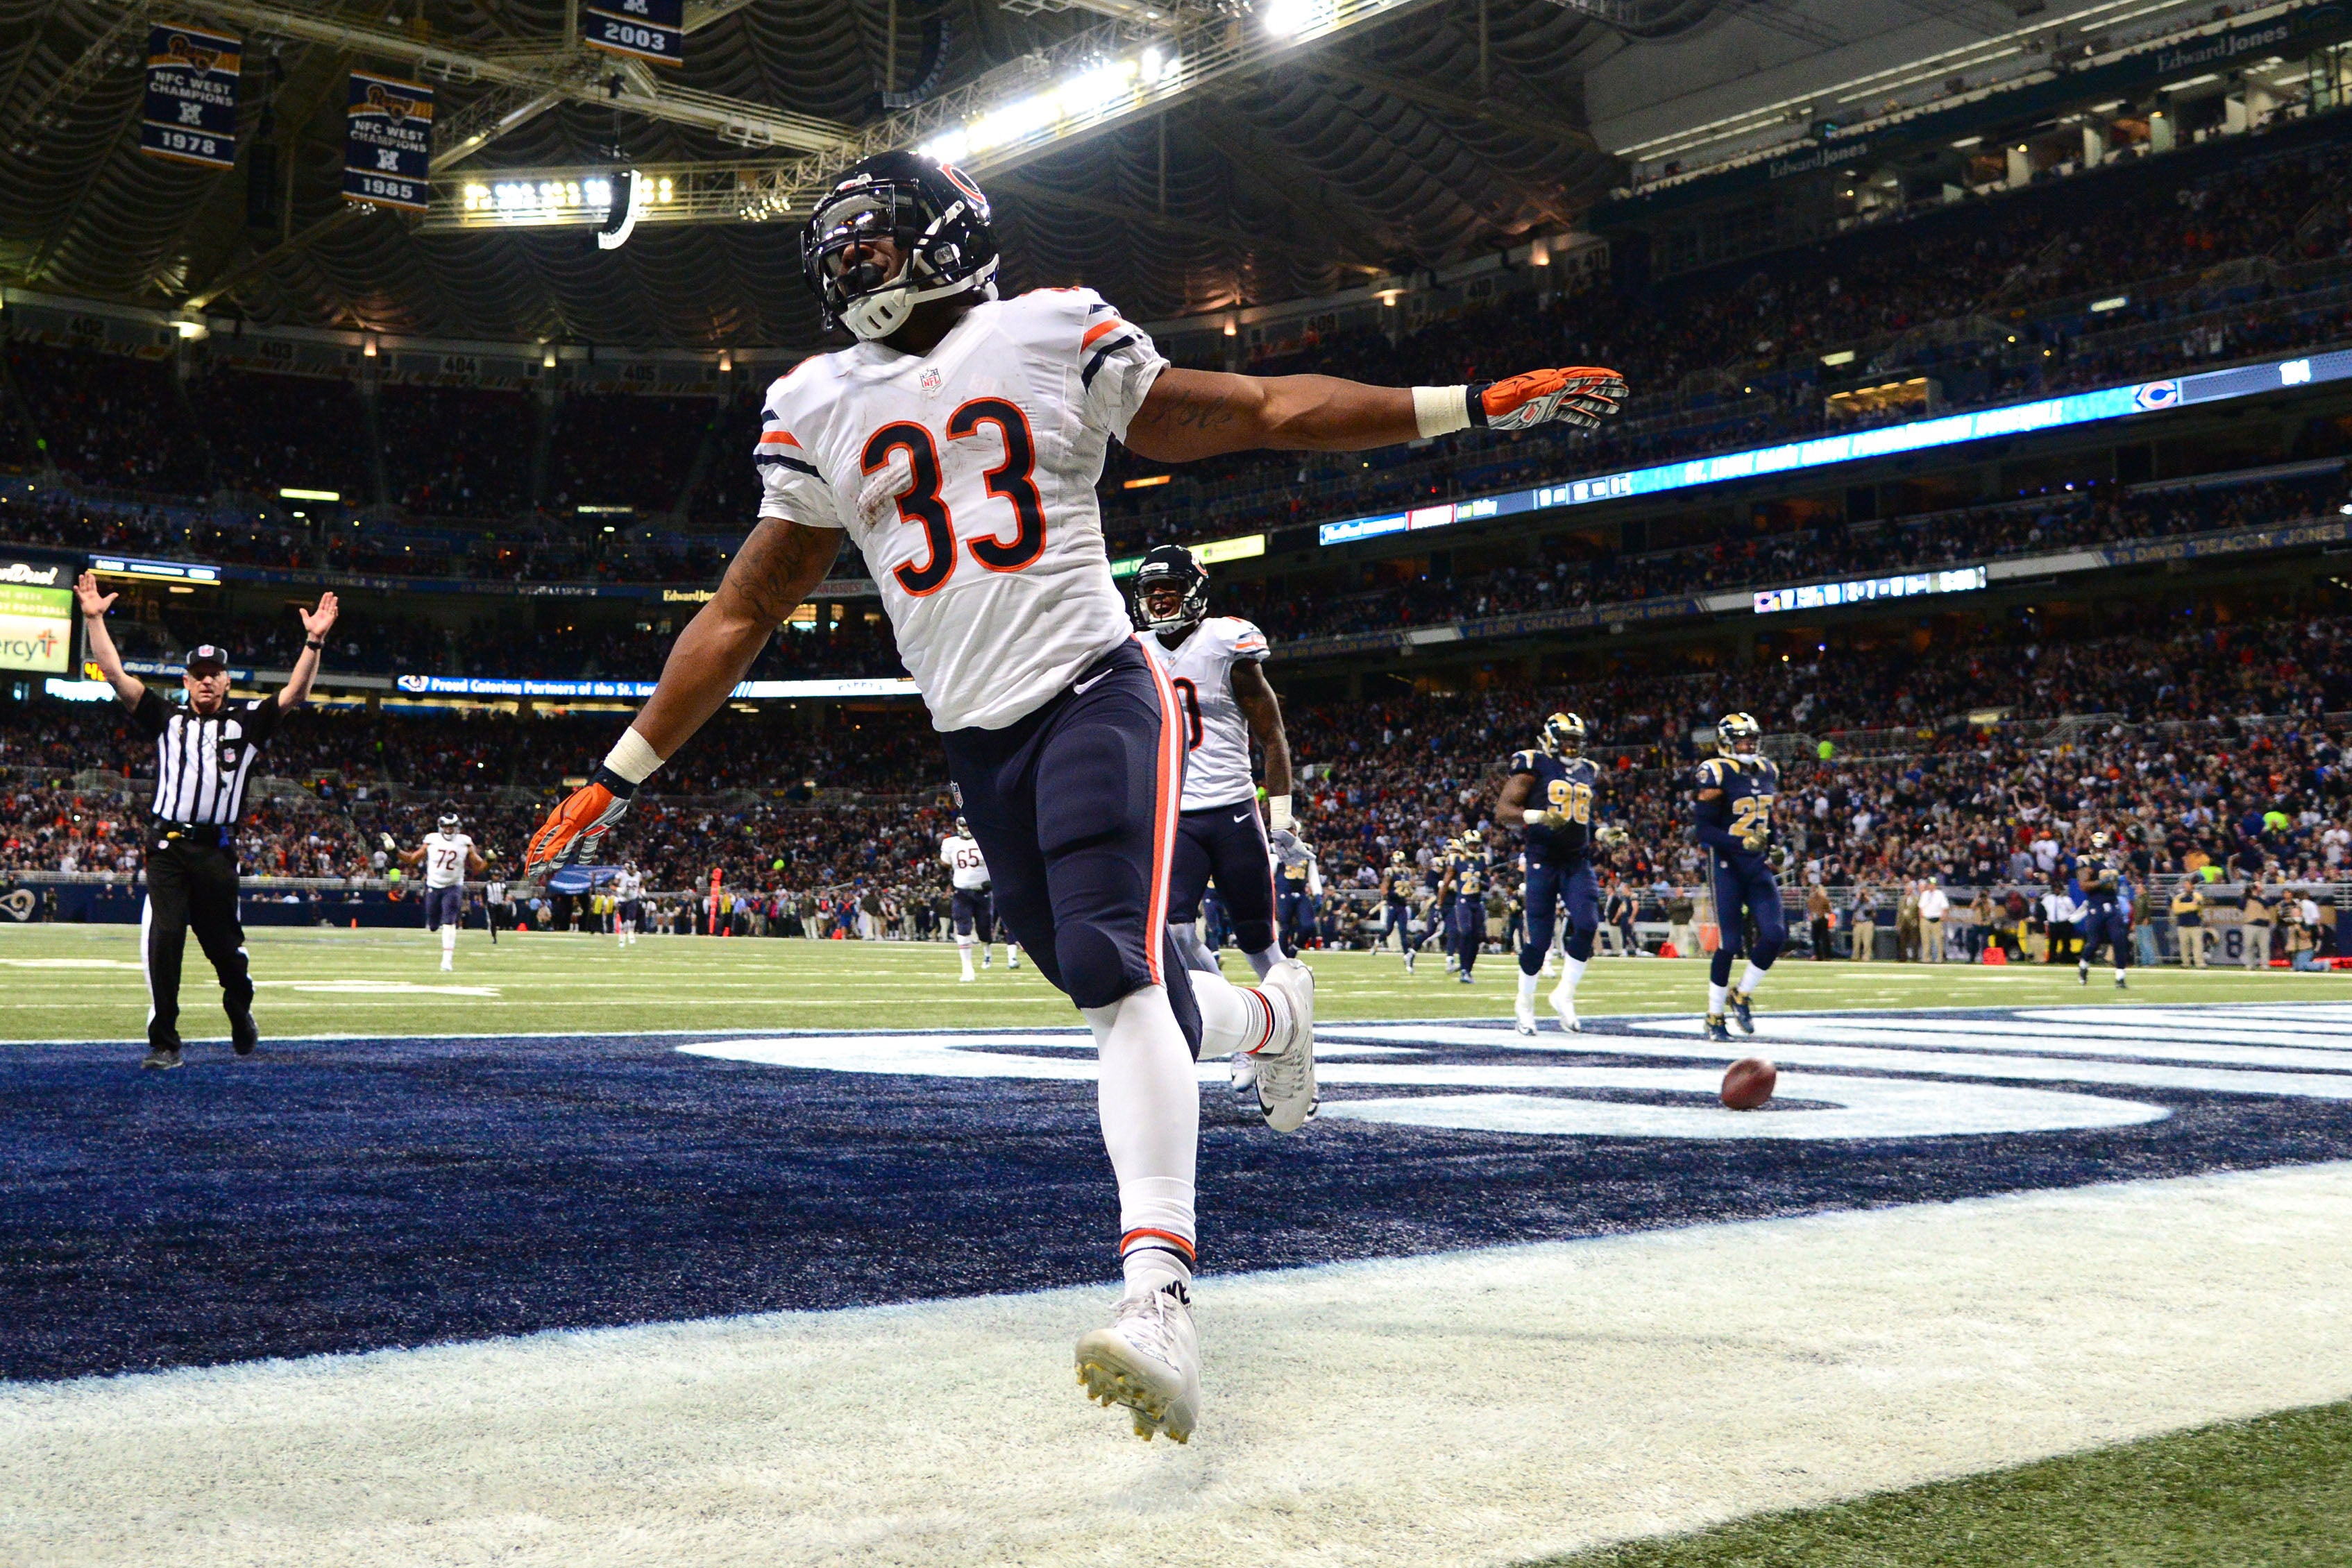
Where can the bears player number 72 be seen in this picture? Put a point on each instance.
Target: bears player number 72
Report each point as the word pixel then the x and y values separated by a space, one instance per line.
pixel 958 443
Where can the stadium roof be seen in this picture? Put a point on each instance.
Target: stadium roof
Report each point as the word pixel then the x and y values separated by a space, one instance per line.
pixel 1384 136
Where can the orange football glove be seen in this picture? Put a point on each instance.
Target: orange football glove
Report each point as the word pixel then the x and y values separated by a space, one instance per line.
pixel 575 830
pixel 1580 395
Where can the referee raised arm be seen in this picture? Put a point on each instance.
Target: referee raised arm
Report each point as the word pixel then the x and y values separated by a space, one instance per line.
pixel 203 754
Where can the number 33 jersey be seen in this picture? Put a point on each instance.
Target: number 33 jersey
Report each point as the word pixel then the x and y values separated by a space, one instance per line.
pixel 967 478
pixel 1216 732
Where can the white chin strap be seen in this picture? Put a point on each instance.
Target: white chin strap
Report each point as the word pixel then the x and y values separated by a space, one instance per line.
pixel 877 315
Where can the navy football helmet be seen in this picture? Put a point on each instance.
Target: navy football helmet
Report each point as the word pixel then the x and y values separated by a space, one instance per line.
pixel 1563 735
pixel 936 216
pixel 1737 734
pixel 1171 567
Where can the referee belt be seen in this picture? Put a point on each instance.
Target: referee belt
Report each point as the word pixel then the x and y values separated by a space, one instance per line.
pixel 188 835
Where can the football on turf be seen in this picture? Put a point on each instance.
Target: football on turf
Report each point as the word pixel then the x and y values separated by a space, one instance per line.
pixel 1747 1083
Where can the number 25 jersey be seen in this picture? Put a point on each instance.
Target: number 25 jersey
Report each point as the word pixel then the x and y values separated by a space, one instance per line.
pixel 967 478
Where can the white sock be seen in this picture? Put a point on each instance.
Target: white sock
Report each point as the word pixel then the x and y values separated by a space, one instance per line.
pixel 1150 1104
pixel 1749 979
pixel 1265 962
pixel 963 951
pixel 1527 987
pixel 1571 974
pixel 448 940
pixel 1237 1017
pixel 1716 997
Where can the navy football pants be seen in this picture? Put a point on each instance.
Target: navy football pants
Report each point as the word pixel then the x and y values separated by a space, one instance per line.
pixel 2105 924
pixel 1076 806
pixel 1742 892
pixel 1549 886
pixel 1226 843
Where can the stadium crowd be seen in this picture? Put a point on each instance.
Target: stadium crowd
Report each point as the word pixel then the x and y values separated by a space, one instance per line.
pixel 2216 250
pixel 2206 743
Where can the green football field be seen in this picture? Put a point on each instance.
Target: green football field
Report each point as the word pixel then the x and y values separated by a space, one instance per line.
pixel 83 982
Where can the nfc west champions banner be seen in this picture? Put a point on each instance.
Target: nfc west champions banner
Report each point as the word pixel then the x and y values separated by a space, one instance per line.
pixel 388 143
pixel 191 112
pixel 644 29
pixel 37 616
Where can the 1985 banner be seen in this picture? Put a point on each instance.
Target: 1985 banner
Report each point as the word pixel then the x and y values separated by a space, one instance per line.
pixel 388 143
pixel 191 111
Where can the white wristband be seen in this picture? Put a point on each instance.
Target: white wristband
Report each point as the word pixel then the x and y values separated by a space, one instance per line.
pixel 1534 818
pixel 633 757
pixel 1441 411
pixel 1278 812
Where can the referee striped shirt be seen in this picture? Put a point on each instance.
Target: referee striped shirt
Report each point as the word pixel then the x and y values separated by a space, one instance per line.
pixel 201 763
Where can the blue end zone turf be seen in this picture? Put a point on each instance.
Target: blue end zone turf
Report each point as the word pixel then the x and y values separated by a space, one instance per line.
pixel 357 1195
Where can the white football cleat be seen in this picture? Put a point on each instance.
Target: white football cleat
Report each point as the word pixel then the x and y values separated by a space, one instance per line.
pixel 1286 1064
pixel 448 965
pixel 1149 1361
pixel 1408 960
pixel 1524 1015
pixel 1563 1002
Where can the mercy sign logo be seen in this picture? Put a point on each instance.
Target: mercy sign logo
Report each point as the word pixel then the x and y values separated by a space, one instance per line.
pixel 37 652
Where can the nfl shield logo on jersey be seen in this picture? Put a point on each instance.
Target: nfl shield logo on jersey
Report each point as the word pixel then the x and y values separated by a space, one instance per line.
pixel 930 380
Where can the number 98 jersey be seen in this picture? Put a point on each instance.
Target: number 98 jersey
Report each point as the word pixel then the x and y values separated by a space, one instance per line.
pixel 1569 786
pixel 967 478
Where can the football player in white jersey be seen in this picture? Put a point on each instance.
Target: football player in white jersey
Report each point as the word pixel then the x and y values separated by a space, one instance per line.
pixel 1213 663
pixel 968 871
pixel 449 858
pixel 629 904
pixel 957 445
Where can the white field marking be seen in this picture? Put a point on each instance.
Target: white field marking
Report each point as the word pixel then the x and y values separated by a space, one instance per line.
pixel 70 963
pixel 1789 1047
pixel 2293 1049
pixel 1476 1409
pixel 1857 1107
pixel 376 988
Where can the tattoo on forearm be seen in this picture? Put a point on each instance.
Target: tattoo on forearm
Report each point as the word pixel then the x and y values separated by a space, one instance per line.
pixel 1195 411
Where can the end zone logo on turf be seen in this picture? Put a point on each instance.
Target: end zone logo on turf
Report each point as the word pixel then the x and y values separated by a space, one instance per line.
pixel 1877 1076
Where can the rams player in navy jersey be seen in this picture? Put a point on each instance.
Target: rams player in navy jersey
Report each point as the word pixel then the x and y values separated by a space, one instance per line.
pixel 1554 791
pixel 1398 885
pixel 1735 791
pixel 1467 867
pixel 2099 872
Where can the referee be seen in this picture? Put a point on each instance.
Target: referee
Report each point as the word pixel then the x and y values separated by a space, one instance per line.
pixel 203 754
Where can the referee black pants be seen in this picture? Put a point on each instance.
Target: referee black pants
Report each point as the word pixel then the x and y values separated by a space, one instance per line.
pixel 189 887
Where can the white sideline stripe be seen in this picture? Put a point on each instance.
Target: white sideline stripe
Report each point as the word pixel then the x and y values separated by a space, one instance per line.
pixel 1479 1407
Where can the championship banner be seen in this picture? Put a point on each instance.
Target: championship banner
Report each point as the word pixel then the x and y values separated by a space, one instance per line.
pixel 191 113
pixel 388 143
pixel 642 29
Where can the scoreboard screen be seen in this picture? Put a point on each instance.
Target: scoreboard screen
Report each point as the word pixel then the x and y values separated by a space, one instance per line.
pixel 37 616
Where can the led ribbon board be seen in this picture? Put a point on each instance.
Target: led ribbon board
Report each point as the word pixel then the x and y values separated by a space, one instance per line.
pixel 1920 435
pixel 618 691
pixel 154 571
pixel 190 115
pixel 388 143
pixel 1830 595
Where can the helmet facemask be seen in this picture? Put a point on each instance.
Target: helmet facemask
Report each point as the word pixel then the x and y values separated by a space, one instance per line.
pixel 852 288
